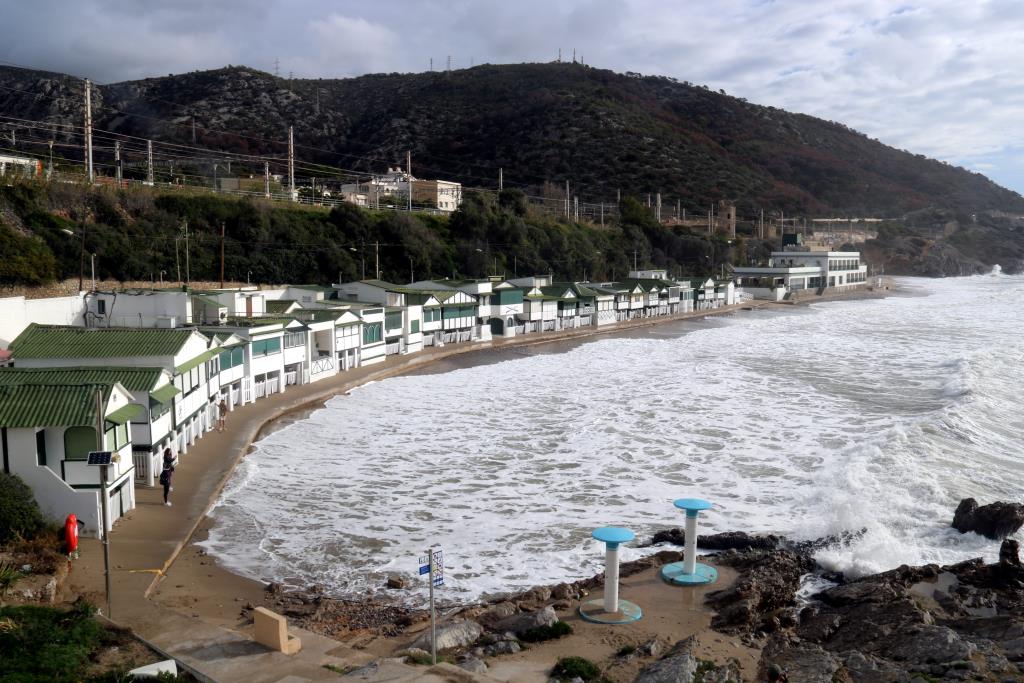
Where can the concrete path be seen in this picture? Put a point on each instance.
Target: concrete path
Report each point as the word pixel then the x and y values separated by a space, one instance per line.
pixel 145 543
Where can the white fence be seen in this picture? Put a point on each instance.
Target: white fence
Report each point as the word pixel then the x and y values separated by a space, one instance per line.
pixel 321 365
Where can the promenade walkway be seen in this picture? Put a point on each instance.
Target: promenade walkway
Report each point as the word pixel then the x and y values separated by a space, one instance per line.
pixel 145 543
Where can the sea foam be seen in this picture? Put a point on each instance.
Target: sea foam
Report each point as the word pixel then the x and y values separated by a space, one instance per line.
pixel 876 415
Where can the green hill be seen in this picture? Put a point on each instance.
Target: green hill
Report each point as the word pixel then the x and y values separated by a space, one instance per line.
pixel 600 130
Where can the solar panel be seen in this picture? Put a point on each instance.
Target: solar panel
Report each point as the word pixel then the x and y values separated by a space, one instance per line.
pixel 100 457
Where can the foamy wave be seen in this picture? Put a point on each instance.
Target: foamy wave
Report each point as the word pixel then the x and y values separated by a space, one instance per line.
pixel 867 414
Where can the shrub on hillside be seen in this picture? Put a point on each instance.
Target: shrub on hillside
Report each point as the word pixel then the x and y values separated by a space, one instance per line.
pixel 24 260
pixel 20 516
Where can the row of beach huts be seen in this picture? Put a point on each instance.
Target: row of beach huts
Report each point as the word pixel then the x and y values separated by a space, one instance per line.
pixel 149 367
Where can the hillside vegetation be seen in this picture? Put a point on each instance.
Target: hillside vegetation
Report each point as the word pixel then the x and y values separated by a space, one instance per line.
pixel 138 233
pixel 597 129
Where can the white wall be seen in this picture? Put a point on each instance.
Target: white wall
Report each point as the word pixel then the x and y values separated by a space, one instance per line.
pixel 139 309
pixel 56 498
pixel 17 312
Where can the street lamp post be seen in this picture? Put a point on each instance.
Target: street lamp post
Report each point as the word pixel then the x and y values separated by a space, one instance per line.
pixel 81 253
pixel 362 260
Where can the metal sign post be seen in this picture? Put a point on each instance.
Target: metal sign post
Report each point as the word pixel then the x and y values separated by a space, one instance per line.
pixel 432 564
pixel 102 459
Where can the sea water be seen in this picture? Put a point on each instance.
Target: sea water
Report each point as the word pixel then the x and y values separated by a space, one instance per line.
pixel 874 414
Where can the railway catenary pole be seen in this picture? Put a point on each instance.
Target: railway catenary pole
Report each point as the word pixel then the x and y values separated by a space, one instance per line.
pixel 291 163
pixel 88 129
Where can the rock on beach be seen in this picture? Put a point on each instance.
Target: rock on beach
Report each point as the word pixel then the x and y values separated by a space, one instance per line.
pixel 995 520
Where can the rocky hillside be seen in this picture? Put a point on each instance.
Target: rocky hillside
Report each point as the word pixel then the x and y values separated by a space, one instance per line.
pixel 599 130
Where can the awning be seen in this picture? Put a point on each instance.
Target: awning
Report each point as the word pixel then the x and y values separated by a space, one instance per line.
pixel 164 394
pixel 197 361
pixel 123 415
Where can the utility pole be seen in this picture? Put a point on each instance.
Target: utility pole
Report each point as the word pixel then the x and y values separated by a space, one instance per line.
pixel 677 209
pixel 177 262
pixel 49 173
pixel 657 211
pixel 376 254
pixel 188 274
pixel 88 129
pixel 193 129
pixel 117 162
pixel 408 172
pixel 501 181
pixel 104 497
pixel 149 161
pixel 618 196
pixel 567 199
pixel 266 179
pixel 761 224
pixel 634 260
pixel 576 208
pixel 291 163
pixel 222 254
pixel 602 214
pixel 431 63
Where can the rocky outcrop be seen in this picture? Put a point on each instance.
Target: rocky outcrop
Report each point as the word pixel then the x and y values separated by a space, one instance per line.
pixel 995 520
pixel 728 540
pixel 763 597
pixel 678 665
pixel 936 623
pixel 681 665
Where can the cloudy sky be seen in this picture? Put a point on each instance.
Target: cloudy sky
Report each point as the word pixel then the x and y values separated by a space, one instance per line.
pixel 944 78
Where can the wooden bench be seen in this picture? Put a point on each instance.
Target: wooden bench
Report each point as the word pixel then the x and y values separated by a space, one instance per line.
pixel 272 632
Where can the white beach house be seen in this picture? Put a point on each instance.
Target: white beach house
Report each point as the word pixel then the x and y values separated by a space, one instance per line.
pixel 48 427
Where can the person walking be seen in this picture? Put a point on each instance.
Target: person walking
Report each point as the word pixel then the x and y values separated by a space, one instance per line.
pixel 222 414
pixel 165 481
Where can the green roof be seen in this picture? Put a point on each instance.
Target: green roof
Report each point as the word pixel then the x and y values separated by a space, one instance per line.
pixel 165 393
pixel 197 361
pixel 41 405
pixel 54 341
pixel 280 305
pixel 242 321
pixel 399 289
pixel 132 379
pixel 125 413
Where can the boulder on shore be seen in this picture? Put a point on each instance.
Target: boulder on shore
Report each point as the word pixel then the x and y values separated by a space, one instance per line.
pixel 679 664
pixel 454 634
pixel 527 621
pixel 995 520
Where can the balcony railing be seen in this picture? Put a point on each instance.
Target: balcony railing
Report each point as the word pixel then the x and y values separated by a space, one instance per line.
pixel 321 365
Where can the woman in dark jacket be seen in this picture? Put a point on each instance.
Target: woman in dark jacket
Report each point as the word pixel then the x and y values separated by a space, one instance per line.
pixel 165 481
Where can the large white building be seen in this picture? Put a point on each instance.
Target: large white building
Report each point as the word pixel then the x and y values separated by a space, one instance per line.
pixel 790 273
